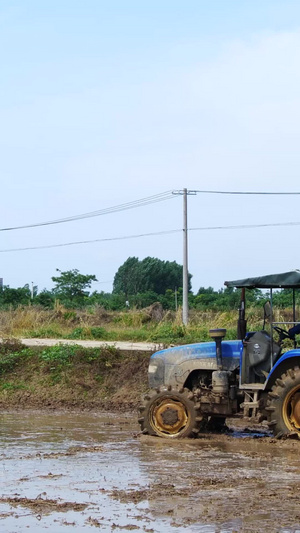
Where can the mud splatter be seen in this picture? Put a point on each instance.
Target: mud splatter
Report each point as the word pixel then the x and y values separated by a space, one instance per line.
pixel 44 506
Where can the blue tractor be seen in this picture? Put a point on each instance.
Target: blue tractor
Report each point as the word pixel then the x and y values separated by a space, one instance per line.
pixel 197 385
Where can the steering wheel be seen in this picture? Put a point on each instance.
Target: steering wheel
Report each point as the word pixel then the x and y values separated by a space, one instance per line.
pixel 283 334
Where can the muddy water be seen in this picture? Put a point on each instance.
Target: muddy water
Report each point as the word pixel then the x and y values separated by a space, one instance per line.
pixel 89 472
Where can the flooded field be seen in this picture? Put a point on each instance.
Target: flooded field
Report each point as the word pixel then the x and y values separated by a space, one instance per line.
pixel 90 471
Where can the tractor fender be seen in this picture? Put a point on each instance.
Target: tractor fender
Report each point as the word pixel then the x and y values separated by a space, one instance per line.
pixel 288 360
pixel 172 366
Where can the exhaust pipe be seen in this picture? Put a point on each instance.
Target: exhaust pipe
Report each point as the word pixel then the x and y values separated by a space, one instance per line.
pixel 218 335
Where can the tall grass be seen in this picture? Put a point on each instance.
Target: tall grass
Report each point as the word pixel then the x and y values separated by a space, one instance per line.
pixel 131 325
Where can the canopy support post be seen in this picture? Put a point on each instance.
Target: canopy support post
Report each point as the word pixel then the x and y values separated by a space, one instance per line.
pixel 271 321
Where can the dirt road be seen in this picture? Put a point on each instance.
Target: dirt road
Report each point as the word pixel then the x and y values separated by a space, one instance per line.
pixel 127 346
pixel 83 472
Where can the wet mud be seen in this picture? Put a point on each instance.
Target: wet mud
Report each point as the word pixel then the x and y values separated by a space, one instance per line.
pixel 71 471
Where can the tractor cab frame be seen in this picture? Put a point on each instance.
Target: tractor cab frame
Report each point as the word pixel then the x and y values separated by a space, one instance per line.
pixel 262 350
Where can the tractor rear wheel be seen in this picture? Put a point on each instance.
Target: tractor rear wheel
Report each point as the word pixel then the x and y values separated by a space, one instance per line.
pixel 283 405
pixel 171 413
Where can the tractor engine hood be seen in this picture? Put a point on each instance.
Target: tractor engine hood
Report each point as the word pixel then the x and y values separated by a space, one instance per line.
pixel 173 365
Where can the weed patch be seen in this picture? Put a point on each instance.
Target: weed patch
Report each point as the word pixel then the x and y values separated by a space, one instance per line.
pixel 65 355
pixel 12 354
pixel 50 332
pixel 88 333
pixel 13 386
pixel 168 333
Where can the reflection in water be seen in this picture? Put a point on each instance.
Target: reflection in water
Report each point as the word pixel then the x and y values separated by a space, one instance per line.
pixel 146 484
pixel 32 447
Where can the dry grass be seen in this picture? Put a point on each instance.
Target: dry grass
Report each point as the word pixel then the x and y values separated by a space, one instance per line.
pixel 133 324
pixel 15 322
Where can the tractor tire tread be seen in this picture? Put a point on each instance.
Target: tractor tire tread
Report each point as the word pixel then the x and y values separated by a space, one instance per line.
pixel 275 403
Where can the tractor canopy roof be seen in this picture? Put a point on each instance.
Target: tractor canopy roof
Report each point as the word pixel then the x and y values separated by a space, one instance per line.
pixel 287 280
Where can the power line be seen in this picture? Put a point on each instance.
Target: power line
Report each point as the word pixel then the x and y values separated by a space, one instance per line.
pixel 264 193
pixel 115 209
pixel 167 195
pixel 152 234
pixel 246 226
pixel 92 241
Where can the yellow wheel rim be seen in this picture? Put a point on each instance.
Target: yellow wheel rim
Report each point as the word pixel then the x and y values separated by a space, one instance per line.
pixel 169 416
pixel 291 409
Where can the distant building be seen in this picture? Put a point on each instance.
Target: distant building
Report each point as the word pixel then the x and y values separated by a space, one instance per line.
pixel 1 283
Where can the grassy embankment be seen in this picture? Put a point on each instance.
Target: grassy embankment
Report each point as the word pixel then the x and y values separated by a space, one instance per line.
pixel 70 376
pixel 73 376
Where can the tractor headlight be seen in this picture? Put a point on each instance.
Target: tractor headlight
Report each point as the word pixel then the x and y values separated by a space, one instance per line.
pixel 156 373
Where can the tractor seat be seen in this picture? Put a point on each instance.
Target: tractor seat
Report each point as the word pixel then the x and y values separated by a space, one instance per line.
pixel 256 359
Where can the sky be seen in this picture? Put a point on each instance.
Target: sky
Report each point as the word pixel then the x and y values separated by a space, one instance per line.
pixel 108 102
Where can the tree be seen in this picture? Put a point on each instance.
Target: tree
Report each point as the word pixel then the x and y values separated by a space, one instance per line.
pixel 71 286
pixel 45 298
pixel 126 279
pixel 113 302
pixel 15 297
pixel 150 274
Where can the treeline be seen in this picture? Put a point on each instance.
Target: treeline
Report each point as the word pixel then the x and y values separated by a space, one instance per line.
pixel 75 297
pixel 137 284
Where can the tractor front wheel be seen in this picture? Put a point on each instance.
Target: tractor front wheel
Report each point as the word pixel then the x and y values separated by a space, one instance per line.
pixel 284 404
pixel 171 413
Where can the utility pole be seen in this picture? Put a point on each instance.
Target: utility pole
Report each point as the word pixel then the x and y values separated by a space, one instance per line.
pixel 185 274
pixel 185 277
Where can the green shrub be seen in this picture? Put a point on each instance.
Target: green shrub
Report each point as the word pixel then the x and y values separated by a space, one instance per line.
pixel 45 333
pixel 9 360
pixel 88 333
pixel 70 316
pixel 98 333
pixel 11 387
pixel 65 354
pixel 61 354
pixel 167 332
